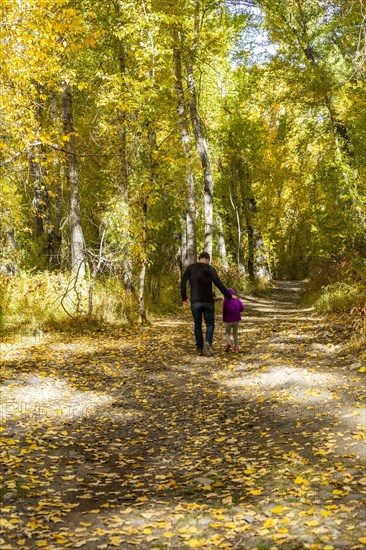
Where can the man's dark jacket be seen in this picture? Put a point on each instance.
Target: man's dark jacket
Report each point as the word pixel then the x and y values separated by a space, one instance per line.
pixel 201 276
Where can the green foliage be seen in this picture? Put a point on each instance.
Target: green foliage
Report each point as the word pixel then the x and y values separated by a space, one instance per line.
pixel 286 136
pixel 338 297
pixel 163 293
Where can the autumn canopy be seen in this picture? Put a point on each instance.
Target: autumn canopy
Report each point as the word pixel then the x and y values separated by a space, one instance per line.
pixel 136 134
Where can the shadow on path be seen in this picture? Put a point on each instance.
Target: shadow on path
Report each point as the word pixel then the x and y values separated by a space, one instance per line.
pixel 135 441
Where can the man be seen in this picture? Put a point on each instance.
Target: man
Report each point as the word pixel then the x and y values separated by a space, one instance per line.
pixel 201 275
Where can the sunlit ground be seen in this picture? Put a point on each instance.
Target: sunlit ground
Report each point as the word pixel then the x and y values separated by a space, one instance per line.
pixel 134 441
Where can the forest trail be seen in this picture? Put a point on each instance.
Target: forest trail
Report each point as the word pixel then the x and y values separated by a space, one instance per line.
pixel 128 439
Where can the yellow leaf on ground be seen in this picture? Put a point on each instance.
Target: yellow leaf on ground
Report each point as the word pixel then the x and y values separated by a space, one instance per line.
pixel 195 543
pixel 269 523
pixel 116 541
pixel 255 492
pixel 277 510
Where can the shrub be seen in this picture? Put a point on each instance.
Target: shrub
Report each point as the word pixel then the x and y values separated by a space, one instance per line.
pixel 112 304
pixel 338 297
pixel 232 277
pixel 32 299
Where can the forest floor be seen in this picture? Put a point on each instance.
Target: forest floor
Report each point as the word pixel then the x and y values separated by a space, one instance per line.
pixel 127 439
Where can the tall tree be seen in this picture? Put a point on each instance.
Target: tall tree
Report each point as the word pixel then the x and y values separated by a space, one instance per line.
pixel 189 220
pixel 77 243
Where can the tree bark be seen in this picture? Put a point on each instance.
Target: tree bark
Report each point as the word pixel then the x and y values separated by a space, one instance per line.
pixel 190 250
pixel 123 183
pixel 41 202
pixel 235 205
pixel 199 134
pixel 221 242
pixel 55 257
pixel 142 276
pixel 203 153
pixel 37 202
pixel 77 243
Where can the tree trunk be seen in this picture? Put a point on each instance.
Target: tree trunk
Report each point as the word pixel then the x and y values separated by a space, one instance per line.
pixel 153 178
pixel 235 205
pixel 262 269
pixel 190 215
pixel 37 177
pixel 55 257
pixel 183 244
pixel 251 249
pixel 41 202
pixel 221 242
pixel 199 133
pixel 9 264
pixel 123 174
pixel 142 308
pixel 203 153
pixel 77 244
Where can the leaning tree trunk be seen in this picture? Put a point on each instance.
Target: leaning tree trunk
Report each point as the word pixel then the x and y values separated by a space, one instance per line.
pixel 199 134
pixel 123 175
pixel 190 250
pixel 339 131
pixel 202 149
pixel 77 245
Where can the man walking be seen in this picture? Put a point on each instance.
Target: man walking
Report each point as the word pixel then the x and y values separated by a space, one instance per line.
pixel 201 275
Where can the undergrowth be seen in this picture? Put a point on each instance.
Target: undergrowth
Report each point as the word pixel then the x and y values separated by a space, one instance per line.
pixel 337 298
pixel 55 301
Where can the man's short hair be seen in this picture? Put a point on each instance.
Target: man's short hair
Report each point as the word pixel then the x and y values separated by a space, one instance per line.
pixel 204 255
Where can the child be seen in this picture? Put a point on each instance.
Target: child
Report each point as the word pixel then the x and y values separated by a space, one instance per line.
pixel 231 317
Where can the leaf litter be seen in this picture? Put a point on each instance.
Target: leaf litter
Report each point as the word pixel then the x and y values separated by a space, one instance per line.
pixel 127 439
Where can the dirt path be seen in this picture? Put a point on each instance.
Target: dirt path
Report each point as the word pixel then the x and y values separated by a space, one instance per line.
pixel 130 440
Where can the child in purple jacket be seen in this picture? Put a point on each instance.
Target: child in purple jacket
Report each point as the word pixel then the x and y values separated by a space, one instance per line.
pixel 231 317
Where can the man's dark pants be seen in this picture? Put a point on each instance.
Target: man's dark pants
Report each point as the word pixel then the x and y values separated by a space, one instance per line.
pixel 207 310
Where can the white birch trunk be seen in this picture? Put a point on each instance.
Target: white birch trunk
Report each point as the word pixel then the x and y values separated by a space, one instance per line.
pixel 190 250
pixel 77 244
pixel 203 153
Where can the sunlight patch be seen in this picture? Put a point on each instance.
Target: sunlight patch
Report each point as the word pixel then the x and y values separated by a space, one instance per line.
pixel 283 377
pixel 36 398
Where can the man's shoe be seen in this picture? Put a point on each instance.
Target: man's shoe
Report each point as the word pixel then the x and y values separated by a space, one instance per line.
pixel 207 348
pixel 227 347
pixel 200 352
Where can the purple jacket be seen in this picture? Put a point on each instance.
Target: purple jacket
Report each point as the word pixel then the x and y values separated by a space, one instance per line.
pixel 231 309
